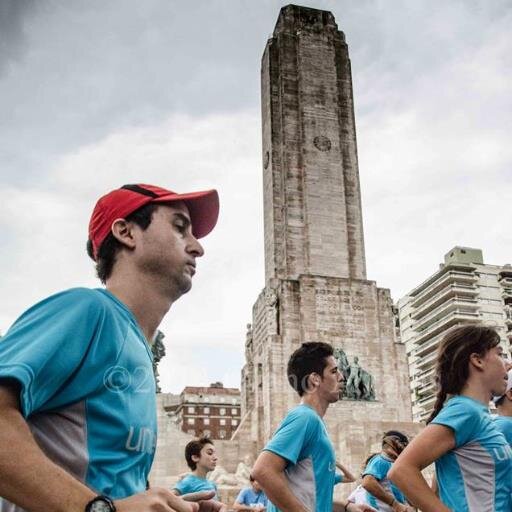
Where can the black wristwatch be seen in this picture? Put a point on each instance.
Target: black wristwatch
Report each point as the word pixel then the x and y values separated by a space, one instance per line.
pixel 100 504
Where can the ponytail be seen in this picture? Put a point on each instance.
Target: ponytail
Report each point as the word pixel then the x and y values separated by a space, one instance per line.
pixel 440 400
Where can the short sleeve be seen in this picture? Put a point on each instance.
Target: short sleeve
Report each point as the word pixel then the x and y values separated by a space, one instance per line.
pixel 378 467
pixel 240 499
pixel 47 343
pixel 182 486
pixel 293 435
pixel 460 416
pixel 338 478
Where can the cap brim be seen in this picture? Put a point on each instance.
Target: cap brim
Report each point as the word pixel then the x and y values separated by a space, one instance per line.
pixel 203 208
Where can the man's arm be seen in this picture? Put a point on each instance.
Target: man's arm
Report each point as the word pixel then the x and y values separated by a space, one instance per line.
pixel 348 476
pixel 269 472
pixel 33 482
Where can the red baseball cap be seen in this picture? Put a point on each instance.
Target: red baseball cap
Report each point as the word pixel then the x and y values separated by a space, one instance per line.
pixel 203 208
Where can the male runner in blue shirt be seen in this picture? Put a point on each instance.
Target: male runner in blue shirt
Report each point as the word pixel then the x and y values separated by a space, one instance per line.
pixel 77 392
pixel 297 467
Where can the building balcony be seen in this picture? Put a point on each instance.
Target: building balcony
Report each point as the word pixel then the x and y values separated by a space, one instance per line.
pixel 427 388
pixel 465 292
pixel 461 271
pixel 440 312
pixel 426 401
pixel 452 318
pixel 428 346
pixel 426 362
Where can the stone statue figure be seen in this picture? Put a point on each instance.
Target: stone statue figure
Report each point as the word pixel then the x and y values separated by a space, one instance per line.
pixel 241 478
pixel 354 380
pixel 359 384
pixel 158 349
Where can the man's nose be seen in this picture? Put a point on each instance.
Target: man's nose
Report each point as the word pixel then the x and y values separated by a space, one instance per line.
pixel 194 247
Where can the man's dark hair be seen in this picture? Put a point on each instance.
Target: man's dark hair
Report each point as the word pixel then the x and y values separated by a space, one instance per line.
pixel 110 247
pixel 194 448
pixel 309 358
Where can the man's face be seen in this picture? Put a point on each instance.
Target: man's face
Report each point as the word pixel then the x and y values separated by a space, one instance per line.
pixel 167 249
pixel 207 459
pixel 332 381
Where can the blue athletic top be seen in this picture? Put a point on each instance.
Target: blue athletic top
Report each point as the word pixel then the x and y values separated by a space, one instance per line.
pixel 302 440
pixel 249 497
pixel 87 388
pixel 476 475
pixel 193 483
pixel 378 467
pixel 504 425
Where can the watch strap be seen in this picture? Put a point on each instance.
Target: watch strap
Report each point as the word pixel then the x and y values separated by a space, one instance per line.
pixel 102 498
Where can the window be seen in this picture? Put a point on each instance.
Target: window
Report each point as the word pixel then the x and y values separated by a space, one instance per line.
pixel 206 410
pixel 191 410
pixel 222 411
pixel 234 412
pixel 206 421
pixel 234 423
pixel 222 421
pixel 190 421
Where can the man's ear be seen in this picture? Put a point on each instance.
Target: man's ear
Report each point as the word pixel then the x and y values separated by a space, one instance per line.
pixel 123 232
pixel 508 394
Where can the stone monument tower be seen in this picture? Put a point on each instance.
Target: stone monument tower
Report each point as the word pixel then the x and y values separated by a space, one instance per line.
pixel 316 287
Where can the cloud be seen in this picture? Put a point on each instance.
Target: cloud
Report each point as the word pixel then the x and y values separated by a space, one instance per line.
pixel 12 32
pixel 98 95
pixel 49 226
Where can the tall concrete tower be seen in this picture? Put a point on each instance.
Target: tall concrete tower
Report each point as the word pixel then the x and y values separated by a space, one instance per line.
pixel 313 221
pixel 315 273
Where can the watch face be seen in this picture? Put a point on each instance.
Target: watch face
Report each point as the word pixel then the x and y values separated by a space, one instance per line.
pixel 100 505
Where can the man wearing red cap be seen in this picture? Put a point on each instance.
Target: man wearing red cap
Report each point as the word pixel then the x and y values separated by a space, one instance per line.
pixel 77 393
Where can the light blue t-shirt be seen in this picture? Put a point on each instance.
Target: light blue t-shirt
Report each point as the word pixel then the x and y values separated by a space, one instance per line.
pixel 477 474
pixel 87 388
pixel 193 483
pixel 250 498
pixel 302 440
pixel 504 425
pixel 378 467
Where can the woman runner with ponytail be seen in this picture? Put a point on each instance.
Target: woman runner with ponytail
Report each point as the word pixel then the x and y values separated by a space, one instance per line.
pixel 472 458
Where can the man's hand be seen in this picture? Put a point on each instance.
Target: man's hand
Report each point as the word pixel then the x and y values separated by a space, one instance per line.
pixel 163 500
pixel 205 501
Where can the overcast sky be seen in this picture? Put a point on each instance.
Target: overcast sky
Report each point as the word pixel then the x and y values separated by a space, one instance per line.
pixel 95 94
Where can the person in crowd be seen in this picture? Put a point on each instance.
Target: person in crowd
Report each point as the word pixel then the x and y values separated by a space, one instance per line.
pixel 503 404
pixel 382 494
pixel 77 390
pixel 297 467
pixel 473 460
pixel 251 498
pixel 201 458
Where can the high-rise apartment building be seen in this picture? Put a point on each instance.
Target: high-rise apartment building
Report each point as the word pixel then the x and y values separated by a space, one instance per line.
pixel 463 290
